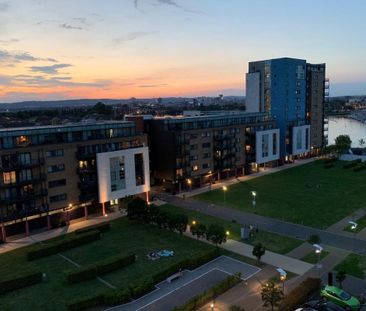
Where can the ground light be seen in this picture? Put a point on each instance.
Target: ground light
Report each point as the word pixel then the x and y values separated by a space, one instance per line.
pixel 318 250
pixel 353 228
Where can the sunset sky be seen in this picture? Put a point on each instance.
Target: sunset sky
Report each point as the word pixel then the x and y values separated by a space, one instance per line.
pixel 157 48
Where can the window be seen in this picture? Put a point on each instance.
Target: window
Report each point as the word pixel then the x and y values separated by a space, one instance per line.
pixel 205 165
pixel 264 145
pixel 274 143
pixel 194 147
pixel 298 139
pixel 9 178
pixel 207 155
pixel 23 141
pixel 205 134
pixel 193 158
pixel 195 168
pixel 139 169
pixel 54 153
pixel 55 168
pixel 25 175
pixel 206 145
pixel 56 183
pixel 58 198
pixel 24 158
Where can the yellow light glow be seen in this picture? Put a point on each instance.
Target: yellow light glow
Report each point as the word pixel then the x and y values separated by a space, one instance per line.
pixel 224 188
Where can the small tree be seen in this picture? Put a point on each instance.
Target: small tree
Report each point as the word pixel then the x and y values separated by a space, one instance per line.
pixel 181 222
pixel 361 142
pixel 216 234
pixel 342 143
pixel 314 239
pixel 340 277
pixel 271 295
pixel 258 251
pixel 201 231
pixel 136 208
pixel 152 213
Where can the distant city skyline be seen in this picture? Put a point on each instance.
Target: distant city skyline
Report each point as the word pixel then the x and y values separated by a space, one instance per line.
pixel 51 50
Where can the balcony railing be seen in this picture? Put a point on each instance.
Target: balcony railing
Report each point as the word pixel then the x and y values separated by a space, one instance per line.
pixel 17 165
pixel 34 180
pixel 24 197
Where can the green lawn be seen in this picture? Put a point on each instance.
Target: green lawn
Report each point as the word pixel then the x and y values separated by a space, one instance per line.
pixel 124 237
pixel 313 258
pixel 307 194
pixel 273 242
pixel 354 265
pixel 361 223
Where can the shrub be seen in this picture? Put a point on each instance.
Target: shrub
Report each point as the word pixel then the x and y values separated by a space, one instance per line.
pixel 360 167
pixel 142 288
pixel 60 246
pixel 86 303
pixel 300 294
pixel 103 227
pixel 199 300
pixel 352 164
pixel 116 297
pixel 20 280
pixel 329 165
pixel 99 268
pixel 330 160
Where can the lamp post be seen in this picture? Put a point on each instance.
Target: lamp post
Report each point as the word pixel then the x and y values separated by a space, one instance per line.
pixel 318 250
pixel 189 182
pixel 283 276
pixel 353 228
pixel 224 189
pixel 254 194
pixel 212 306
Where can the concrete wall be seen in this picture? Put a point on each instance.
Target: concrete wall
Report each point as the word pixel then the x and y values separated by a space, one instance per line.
pixel 273 145
pixel 300 139
pixel 252 98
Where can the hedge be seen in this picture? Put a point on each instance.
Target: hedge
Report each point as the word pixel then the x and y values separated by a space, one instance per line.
pixel 20 280
pixel 330 160
pixel 60 246
pixel 201 299
pixel 99 268
pixel 300 294
pixel 86 303
pixel 329 165
pixel 102 227
pixel 352 164
pixel 360 167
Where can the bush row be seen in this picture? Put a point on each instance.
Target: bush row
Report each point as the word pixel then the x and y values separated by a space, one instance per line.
pixel 300 294
pixel 352 164
pixel 103 227
pixel 99 268
pixel 360 167
pixel 329 165
pixel 201 299
pixel 63 245
pixel 124 295
pixel 330 160
pixel 20 280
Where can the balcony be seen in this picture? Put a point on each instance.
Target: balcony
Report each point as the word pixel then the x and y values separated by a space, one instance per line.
pixel 88 197
pixel 85 155
pixel 24 197
pixel 34 180
pixel 17 165
pixel 85 170
pixel 88 185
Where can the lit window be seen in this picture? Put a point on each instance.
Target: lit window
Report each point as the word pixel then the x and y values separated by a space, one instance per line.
pixel 195 168
pixel 9 178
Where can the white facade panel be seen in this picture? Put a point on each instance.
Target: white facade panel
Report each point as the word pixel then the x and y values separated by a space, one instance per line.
pixel 300 139
pixel 117 173
pixel 267 145
pixel 252 98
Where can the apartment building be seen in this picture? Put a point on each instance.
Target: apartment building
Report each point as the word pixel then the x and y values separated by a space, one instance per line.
pixel 50 174
pixel 196 149
pixel 292 91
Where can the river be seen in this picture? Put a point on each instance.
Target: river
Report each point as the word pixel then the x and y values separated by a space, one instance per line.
pixel 346 126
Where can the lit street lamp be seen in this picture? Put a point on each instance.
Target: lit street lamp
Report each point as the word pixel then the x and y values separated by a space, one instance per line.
pixel 189 182
pixel 283 275
pixel 353 228
pixel 212 306
pixel 254 194
pixel 224 188
pixel 318 250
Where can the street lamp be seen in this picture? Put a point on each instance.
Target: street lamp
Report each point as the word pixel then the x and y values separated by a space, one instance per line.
pixel 212 306
pixel 254 194
pixel 189 182
pixel 318 250
pixel 283 275
pixel 227 232
pixel 224 188
pixel 193 222
pixel 353 228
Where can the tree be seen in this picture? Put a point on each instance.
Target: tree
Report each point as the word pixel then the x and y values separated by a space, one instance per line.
pixel 101 108
pixel 340 277
pixel 216 234
pixel 271 295
pixel 199 230
pixel 314 239
pixel 258 251
pixel 342 143
pixel 152 213
pixel 361 142
pixel 181 222
pixel 136 209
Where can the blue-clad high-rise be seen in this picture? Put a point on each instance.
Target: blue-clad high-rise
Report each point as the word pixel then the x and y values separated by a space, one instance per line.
pixel 279 87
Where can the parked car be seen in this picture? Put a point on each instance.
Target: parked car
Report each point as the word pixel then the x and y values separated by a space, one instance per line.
pixel 340 297
pixel 323 305
pixel 305 309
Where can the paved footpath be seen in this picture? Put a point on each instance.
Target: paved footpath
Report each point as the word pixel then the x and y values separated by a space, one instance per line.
pixel 13 243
